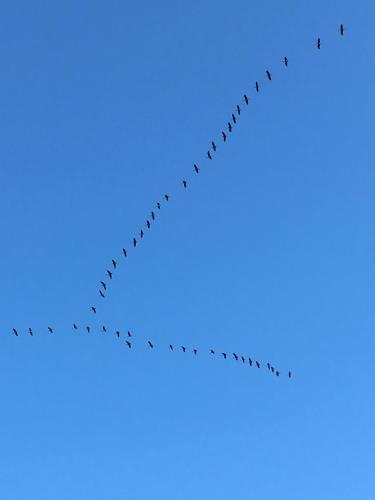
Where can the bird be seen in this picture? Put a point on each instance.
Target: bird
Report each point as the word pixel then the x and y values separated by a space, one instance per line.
pixel 224 354
pixel 129 344
pixel 158 205
pixel 103 285
pixel 277 373
pixel 243 359
pixel 257 86
pixel 153 215
pixel 141 233
pixel 150 344
pixel 171 347
pixel 224 136
pixel 250 362
pixel 129 334
pixel 166 196
pixel 30 331
pixel 195 351
pixel 101 294
pixel 88 329
pixel 134 242
pixel 118 333
pixel 196 168
pixel 104 328
pixel 272 369
pixel 229 126
pixel 234 118
pixel 75 326
pixel 15 332
pixel 212 351
pixel 318 43
pixel 268 366
pixel 184 183
pixel 183 348
pixel 114 263
pixel 213 145
pixel 246 99
pixel 50 329
pixel 148 224
pixel 109 274
pixel 341 29
pixel 238 109
pixel 286 61
pixel 235 356
pixel 93 309
pixel 209 155
pixel 268 75
pixel 124 252
pixel 257 363
pixel 290 374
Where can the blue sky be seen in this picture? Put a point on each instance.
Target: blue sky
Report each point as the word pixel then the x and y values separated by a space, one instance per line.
pixel 105 106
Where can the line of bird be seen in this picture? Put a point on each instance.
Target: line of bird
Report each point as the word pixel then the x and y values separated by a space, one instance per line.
pixel 129 342
pixel 104 283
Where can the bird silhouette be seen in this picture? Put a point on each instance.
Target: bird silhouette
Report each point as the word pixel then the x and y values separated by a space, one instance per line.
pixel 195 351
pixel 234 118
pixel 134 242
pixel 268 366
pixel 153 215
pixel 158 205
pixel 229 126
pixel 272 369
pixel 31 332
pixel 88 329
pixel 129 344
pixel 166 196
pixel 235 356
pixel 224 354
pixel 75 326
pixel 257 86
pixel 318 43
pixel 290 374
pixel 250 362
pixel 183 348
pixel 50 329
pixel 213 145
pixel 148 224
pixel 212 351
pixel 243 359
pixel 118 333
pixel 268 75
pixel 257 363
pixel 150 344
pixel 103 285
pixel 101 294
pixel 15 332
pixel 171 347
pixel 124 252
pixel 286 61
pixel 184 183
pixel 109 274
pixel 209 155
pixel 341 29
pixel 104 328
pixel 141 233
pixel 129 334
pixel 246 99
pixel 93 309
pixel 224 136
pixel 196 168
pixel 114 263
pixel 277 373
pixel 238 109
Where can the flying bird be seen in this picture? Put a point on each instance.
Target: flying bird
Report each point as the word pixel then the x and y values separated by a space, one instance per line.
pixel 250 362
pixel 103 285
pixel 50 329
pixel 134 242
pixel 318 43
pixel 109 274
pixel 209 155
pixel 234 118
pixel 128 343
pixel 268 366
pixel 129 334
pixel 213 145
pixel 257 86
pixel 141 233
pixel 290 374
pixel 212 351
pixel 148 224
pixel 93 309
pixel 224 354
pixel 224 136
pixel 243 359
pixel 238 109
pixel 30 331
pixel 341 29
pixel 171 347
pixel 257 363
pixel 15 332
pixel 75 326
pixel 235 356
pixel 183 348
pixel 88 329
pixel 101 294
pixel 184 183
pixel 158 205
pixel 114 263
pixel 229 126
pixel 118 333
pixel 277 373
pixel 272 369
pixel 246 99
pixel 196 168
pixel 166 196
pixel 124 252
pixel 268 75
pixel 286 61
pixel 104 328
pixel 195 351
pixel 153 215
pixel 150 344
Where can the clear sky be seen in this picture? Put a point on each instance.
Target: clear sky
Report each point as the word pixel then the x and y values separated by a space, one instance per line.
pixel 269 252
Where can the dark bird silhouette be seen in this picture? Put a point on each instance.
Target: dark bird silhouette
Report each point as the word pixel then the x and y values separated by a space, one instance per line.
pixel 124 252
pixel 166 196
pixel 277 373
pixel 152 215
pixel 257 363
pixel 129 334
pixel 158 205
pixel 134 242
pixel 268 75
pixel 50 329
pixel 224 136
pixel 268 366
pixel 272 369
pixel 141 233
pixel 238 109
pixel 209 155
pixel 257 86
pixel 104 328
pixel 341 29
pixel 286 61
pixel 103 285
pixel 114 263
pixel 88 329
pixel 171 347
pixel 183 348
pixel 212 351
pixel 290 374
pixel 235 356
pixel 318 43
pixel 246 99
pixel 148 224
pixel 31 332
pixel 101 294
pixel 15 332
pixel 224 354
pixel 184 183
pixel 229 126
pixel 234 118
pixel 109 274
pixel 195 351
pixel 196 168
pixel 93 309
pixel 118 333
pixel 129 344
pixel 213 145
pixel 243 359
pixel 150 344
pixel 75 326
pixel 250 362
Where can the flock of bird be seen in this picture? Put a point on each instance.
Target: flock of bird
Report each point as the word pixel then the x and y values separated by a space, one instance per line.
pixel 225 133
pixel 104 283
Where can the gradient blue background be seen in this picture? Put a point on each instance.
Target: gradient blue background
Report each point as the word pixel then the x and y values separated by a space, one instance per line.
pixel 104 107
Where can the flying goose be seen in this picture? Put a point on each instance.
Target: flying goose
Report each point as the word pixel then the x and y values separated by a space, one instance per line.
pixel 196 168
pixel 93 309
pixel 246 99
pixel 213 145
pixel 224 136
pixel 150 344
pixel 103 285
pixel 129 344
pixel 268 75
pixel 109 274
